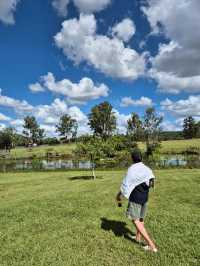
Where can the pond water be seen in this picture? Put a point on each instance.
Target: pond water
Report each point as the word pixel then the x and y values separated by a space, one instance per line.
pixel 43 164
pixel 55 164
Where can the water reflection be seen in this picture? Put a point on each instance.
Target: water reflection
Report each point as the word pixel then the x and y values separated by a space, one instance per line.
pixel 44 164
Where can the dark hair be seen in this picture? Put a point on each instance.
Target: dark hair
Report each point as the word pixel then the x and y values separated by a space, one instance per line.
pixel 136 156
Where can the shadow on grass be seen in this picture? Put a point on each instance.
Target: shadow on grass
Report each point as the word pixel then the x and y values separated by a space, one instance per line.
pixel 84 177
pixel 118 228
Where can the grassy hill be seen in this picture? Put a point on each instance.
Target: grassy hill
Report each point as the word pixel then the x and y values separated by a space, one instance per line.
pixel 170 147
pixel 65 218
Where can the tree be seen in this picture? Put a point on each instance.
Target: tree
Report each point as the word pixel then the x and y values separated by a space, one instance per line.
pixel 32 130
pixel 67 127
pixel 91 150
pixel 198 129
pixel 7 139
pixel 134 127
pixel 152 129
pixel 189 128
pixel 102 120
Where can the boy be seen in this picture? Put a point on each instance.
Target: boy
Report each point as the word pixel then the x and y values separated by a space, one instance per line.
pixel 135 187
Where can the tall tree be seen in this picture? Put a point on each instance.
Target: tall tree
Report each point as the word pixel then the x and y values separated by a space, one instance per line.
pixel 189 128
pixel 152 129
pixel 7 138
pixel 32 130
pixel 134 127
pixel 102 120
pixel 67 127
pixel 198 129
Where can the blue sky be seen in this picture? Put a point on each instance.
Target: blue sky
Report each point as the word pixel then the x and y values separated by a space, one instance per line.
pixel 65 56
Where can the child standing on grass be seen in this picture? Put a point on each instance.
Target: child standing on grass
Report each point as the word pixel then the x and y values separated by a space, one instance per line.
pixel 135 187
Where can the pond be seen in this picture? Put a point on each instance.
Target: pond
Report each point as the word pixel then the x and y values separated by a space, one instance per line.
pixel 55 164
pixel 43 164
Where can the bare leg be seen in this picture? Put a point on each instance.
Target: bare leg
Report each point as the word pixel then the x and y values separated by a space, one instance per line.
pixel 140 227
pixel 138 235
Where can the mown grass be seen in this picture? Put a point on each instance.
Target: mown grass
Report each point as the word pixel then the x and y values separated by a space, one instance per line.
pixel 176 146
pixel 65 218
pixel 167 147
pixel 41 151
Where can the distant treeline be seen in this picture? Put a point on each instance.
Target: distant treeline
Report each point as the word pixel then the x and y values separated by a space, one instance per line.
pixel 102 121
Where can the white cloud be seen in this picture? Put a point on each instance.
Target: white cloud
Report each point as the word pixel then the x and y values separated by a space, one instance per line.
pixel 17 105
pixel 46 115
pixel 124 30
pixel 58 108
pixel 36 87
pixel 171 125
pixel 168 82
pixel 17 122
pixel 2 126
pixel 90 6
pixel 143 101
pixel 7 8
pixel 80 43
pixel 121 121
pixel 84 6
pixel 183 108
pixel 4 117
pixel 78 93
pixel 61 6
pixel 179 61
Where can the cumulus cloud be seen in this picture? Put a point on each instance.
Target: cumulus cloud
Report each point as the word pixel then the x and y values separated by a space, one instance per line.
pixel 4 117
pixel 2 126
pixel 80 43
pixel 7 9
pixel 172 125
pixel 80 92
pixel 179 61
pixel 50 114
pixel 61 6
pixel 47 115
pixel 182 108
pixel 121 121
pixel 36 87
pixel 90 6
pixel 124 30
pixel 17 105
pixel 84 6
pixel 143 101
pixel 17 122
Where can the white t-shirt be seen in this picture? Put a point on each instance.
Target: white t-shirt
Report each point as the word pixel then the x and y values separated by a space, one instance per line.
pixel 137 173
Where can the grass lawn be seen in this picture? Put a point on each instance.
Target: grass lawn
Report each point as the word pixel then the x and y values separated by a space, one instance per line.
pixel 64 218
pixel 170 147
pixel 40 151
pixel 175 146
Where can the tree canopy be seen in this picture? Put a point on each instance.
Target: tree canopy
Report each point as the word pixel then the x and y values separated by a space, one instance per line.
pixel 102 120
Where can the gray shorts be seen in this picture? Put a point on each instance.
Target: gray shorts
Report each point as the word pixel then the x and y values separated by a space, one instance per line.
pixel 136 211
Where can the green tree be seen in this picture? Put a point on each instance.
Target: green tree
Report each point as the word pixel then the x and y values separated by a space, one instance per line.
pixel 67 127
pixel 198 129
pixel 135 128
pixel 7 138
pixel 189 128
pixel 102 120
pixel 92 150
pixel 152 130
pixel 32 131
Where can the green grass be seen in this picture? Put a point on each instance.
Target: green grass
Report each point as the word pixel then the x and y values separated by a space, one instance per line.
pixel 170 147
pixel 55 218
pixel 40 151
pixel 175 146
